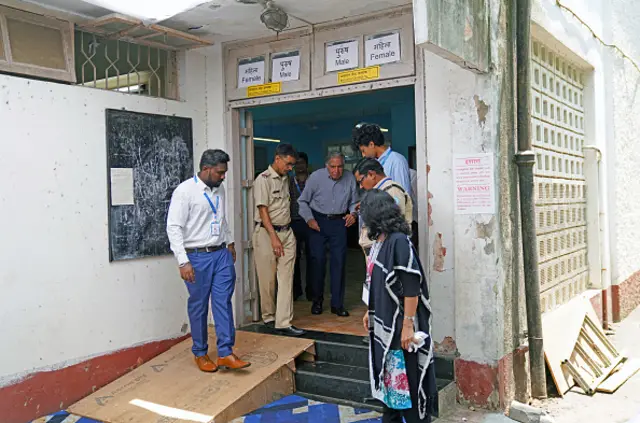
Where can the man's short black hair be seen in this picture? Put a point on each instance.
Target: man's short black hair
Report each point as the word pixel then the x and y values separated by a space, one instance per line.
pixel 212 158
pixel 302 155
pixel 367 165
pixel 286 150
pixel 364 133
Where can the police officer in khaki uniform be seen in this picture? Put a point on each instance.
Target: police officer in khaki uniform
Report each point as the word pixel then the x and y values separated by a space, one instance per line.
pixel 369 175
pixel 274 243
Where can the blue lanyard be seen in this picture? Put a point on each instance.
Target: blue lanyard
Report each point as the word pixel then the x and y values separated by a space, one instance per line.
pixel 382 182
pixel 213 208
pixel 385 156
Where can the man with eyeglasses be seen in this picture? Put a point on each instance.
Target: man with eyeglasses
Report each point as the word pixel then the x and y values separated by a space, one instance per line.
pixel 274 243
pixel 370 175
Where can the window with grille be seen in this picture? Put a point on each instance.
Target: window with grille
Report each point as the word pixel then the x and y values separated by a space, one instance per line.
pixel 120 65
pixel 557 124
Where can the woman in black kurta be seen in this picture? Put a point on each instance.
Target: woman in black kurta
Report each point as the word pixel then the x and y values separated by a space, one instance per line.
pixel 398 308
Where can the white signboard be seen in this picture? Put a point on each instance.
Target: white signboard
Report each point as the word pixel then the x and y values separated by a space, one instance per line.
pixel 285 67
pixel 474 184
pixel 121 187
pixel 381 49
pixel 251 72
pixel 342 55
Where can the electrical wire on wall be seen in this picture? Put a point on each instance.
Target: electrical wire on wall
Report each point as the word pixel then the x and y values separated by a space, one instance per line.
pixel 597 37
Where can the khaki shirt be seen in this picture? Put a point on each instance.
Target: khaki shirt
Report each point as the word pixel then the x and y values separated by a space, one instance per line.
pixel 402 199
pixel 272 190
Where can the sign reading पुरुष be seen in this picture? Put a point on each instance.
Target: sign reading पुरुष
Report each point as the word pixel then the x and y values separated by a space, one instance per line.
pixel 382 48
pixel 285 67
pixel 251 72
pixel 341 55
pixel 474 184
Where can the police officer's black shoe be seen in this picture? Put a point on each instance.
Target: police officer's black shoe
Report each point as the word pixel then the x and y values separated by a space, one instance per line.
pixel 341 312
pixel 316 308
pixel 291 331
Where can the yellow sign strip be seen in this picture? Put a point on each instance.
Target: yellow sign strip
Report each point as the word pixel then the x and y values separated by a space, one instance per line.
pixel 359 75
pixel 264 89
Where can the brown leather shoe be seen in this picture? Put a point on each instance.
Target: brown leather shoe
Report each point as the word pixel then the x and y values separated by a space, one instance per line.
pixel 232 362
pixel 206 364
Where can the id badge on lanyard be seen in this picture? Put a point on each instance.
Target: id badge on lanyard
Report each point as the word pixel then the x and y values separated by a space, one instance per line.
pixel 215 223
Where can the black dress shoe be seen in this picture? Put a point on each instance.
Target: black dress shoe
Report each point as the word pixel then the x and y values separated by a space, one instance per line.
pixel 291 331
pixel 340 311
pixel 270 325
pixel 316 308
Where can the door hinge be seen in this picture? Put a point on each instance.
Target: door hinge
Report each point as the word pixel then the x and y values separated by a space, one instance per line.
pixel 247 183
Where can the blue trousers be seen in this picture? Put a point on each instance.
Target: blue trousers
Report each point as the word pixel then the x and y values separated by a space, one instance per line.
pixel 333 233
pixel 215 280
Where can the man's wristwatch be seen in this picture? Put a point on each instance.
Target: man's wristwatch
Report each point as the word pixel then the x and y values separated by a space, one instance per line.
pixel 410 318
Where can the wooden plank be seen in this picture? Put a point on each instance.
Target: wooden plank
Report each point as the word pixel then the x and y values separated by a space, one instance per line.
pixel 594 358
pixel 171 388
pixel 560 331
pixel 617 379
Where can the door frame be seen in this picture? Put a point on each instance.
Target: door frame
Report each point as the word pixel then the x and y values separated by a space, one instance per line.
pixel 240 143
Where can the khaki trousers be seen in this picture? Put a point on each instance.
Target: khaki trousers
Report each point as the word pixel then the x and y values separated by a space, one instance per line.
pixel 268 266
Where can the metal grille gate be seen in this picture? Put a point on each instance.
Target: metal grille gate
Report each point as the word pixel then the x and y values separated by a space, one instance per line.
pixel 558 138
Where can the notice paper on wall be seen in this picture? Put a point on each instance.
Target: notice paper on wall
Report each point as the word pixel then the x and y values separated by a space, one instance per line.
pixel 121 187
pixel 251 72
pixel 382 49
pixel 473 177
pixel 285 67
pixel 341 55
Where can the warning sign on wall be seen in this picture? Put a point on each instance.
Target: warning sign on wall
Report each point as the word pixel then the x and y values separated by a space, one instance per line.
pixel 359 75
pixel 474 184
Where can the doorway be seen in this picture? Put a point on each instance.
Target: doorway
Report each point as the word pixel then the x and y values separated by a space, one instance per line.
pixel 318 127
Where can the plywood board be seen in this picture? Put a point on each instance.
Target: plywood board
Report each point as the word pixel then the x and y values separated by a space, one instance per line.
pixel 560 330
pixel 619 377
pixel 171 389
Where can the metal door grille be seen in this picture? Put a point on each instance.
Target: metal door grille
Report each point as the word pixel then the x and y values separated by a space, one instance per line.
pixel 558 138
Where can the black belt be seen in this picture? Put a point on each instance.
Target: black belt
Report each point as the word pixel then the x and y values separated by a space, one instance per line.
pixel 277 228
pixel 330 216
pixel 211 249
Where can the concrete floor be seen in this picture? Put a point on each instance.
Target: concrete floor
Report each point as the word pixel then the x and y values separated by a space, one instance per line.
pixel 621 407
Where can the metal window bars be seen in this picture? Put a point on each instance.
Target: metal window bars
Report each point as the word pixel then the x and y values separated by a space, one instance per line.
pixel 120 65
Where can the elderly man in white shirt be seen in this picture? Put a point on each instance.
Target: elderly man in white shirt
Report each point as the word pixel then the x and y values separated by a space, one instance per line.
pixel 201 240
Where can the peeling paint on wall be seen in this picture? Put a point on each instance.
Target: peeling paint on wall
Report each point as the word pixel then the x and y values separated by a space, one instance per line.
pixel 439 253
pixel 447 346
pixel 483 110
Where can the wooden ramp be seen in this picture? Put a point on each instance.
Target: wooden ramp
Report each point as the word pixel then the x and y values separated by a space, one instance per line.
pixel 171 389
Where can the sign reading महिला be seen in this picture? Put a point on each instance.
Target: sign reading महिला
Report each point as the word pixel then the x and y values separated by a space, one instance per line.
pixel 251 72
pixel 382 49
pixel 341 55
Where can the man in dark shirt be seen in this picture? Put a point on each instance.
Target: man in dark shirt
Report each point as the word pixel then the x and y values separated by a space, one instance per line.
pixel 300 229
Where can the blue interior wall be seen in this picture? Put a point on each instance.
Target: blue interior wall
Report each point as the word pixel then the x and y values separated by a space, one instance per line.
pixel 310 126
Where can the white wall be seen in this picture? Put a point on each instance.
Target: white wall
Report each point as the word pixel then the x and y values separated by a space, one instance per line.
pixel 613 107
pixel 64 300
pixel 624 80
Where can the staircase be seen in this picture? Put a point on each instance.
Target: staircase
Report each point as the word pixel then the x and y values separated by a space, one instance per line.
pixel 340 373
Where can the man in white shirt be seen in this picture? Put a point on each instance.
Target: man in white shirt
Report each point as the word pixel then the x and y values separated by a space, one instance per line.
pixel 201 240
